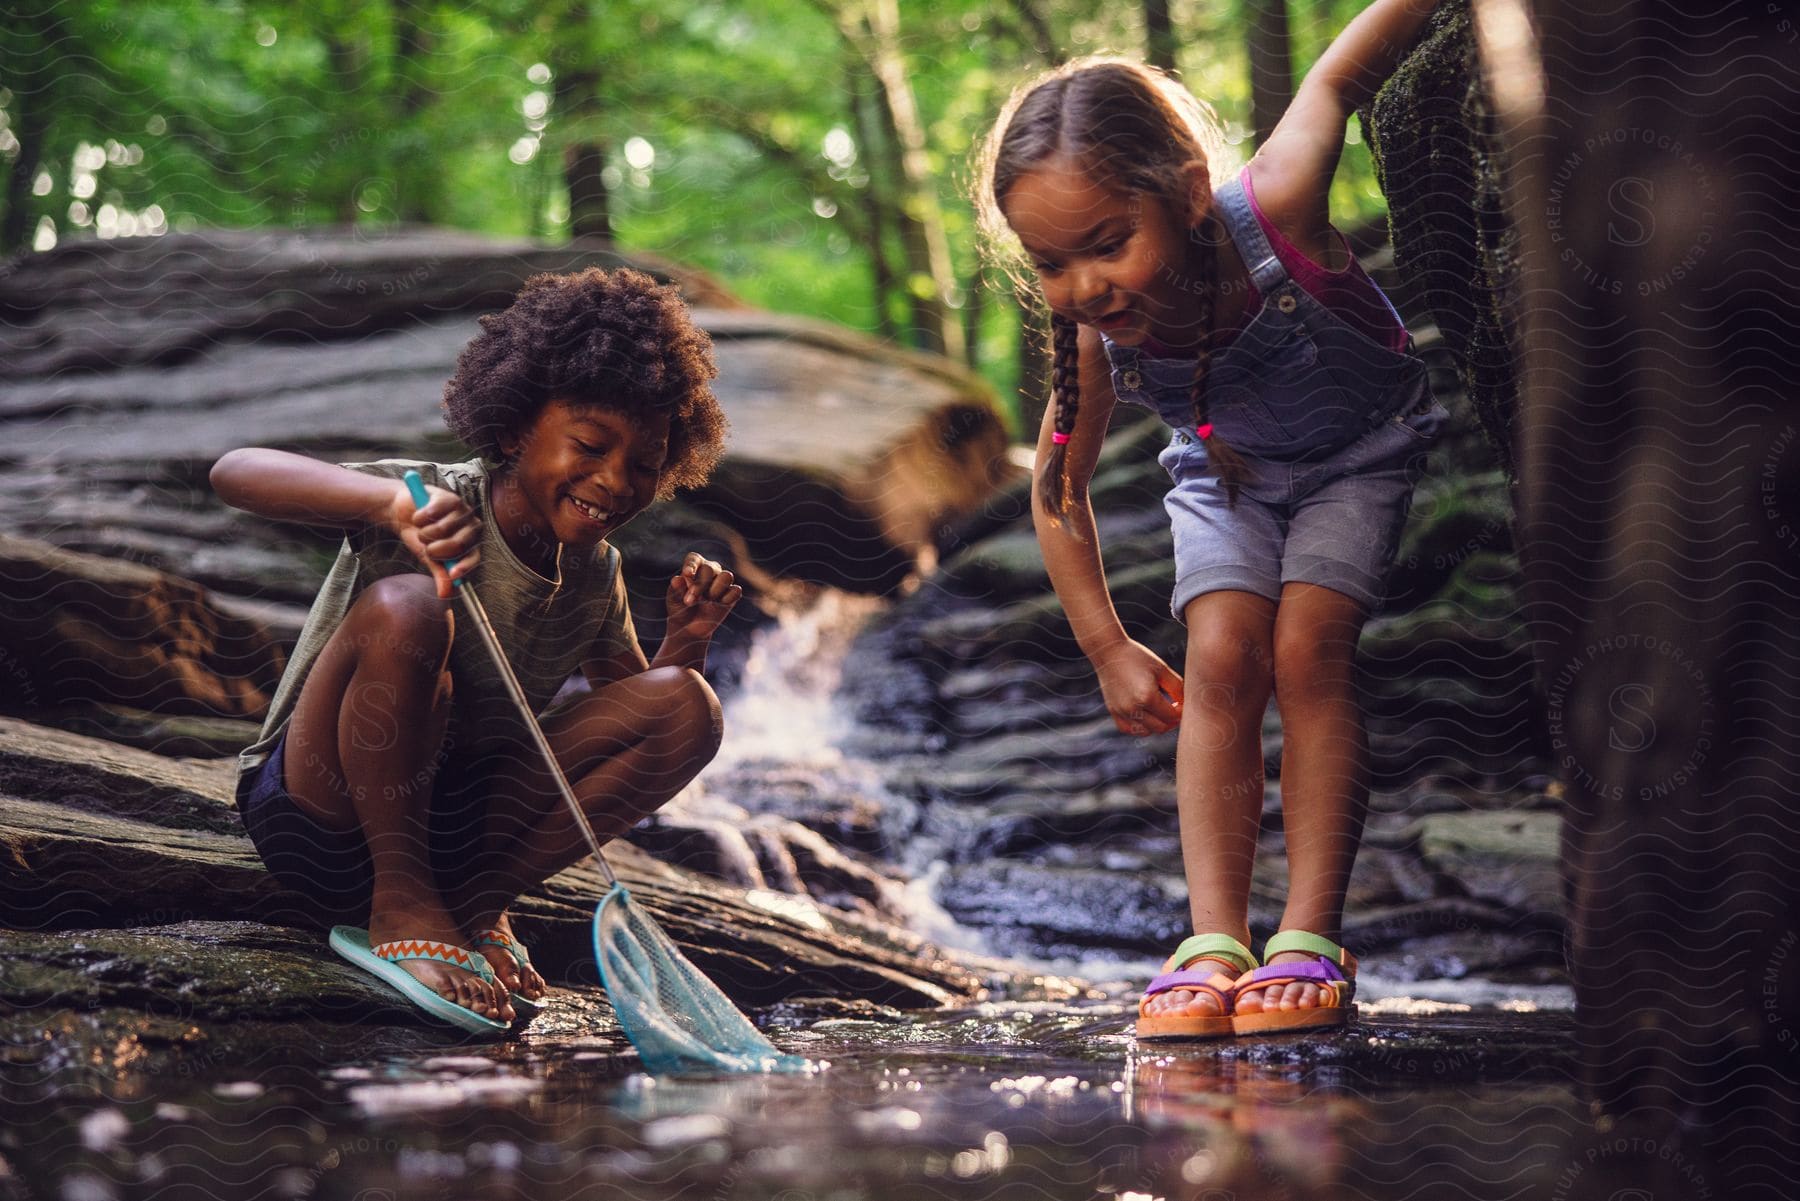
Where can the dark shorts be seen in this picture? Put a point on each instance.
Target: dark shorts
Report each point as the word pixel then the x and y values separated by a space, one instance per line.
pixel 327 870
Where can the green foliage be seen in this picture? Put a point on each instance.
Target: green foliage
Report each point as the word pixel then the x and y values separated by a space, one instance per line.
pixel 731 130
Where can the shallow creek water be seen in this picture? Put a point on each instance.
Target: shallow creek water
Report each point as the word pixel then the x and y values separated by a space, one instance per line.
pixel 1038 1101
pixel 1459 1085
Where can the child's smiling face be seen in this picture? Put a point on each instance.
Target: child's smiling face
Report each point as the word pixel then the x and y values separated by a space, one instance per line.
pixel 1112 260
pixel 581 471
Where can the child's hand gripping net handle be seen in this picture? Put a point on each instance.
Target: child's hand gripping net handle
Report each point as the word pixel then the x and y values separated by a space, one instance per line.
pixel 420 498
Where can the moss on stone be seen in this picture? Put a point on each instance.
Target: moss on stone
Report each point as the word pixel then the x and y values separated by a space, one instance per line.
pixel 1439 161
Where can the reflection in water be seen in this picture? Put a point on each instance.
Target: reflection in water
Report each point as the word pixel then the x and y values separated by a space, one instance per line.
pixel 1042 1101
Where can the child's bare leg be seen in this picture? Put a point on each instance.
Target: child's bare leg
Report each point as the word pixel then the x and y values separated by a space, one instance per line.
pixel 1226 683
pixel 626 749
pixel 1324 769
pixel 362 751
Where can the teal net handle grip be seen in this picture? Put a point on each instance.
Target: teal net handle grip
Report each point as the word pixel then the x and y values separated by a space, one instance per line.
pixel 420 498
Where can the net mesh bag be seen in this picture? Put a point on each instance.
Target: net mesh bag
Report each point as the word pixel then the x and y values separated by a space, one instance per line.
pixel 676 1018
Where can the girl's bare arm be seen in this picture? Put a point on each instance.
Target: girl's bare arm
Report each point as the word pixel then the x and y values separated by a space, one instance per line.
pixel 1071 547
pixel 1293 169
pixel 1142 693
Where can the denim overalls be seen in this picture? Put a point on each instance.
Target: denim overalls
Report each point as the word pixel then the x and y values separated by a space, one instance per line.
pixel 1333 427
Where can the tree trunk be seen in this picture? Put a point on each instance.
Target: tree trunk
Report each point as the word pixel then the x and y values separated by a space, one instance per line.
pixel 1159 35
pixel 416 178
pixel 584 155
pixel 933 282
pixel 1271 65
pixel 32 62
pixel 16 229
pixel 1037 33
pixel 1659 457
pixel 875 198
pixel 974 308
pixel 589 213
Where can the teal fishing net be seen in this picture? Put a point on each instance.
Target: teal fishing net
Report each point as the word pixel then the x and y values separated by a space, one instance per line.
pixel 677 1018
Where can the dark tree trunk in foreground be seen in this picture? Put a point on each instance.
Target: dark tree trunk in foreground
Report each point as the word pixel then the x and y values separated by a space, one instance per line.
pixel 1271 65
pixel 1659 454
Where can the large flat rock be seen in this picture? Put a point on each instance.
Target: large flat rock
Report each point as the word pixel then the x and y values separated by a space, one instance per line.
pixel 128 367
pixel 95 836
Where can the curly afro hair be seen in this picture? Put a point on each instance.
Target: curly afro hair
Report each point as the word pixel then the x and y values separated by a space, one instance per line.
pixel 613 338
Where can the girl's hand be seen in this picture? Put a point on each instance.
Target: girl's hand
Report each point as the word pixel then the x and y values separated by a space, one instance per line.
pixel 699 597
pixel 1142 693
pixel 446 528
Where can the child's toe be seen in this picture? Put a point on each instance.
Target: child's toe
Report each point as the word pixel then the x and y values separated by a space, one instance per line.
pixel 1181 1002
pixel 464 993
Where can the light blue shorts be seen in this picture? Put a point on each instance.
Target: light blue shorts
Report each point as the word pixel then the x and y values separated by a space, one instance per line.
pixel 1335 521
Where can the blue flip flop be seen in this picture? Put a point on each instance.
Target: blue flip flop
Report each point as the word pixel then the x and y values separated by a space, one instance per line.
pixel 524 1005
pixel 383 962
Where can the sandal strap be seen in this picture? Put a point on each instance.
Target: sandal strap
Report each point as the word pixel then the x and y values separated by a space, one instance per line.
pixel 1320 971
pixel 499 938
pixel 1193 981
pixel 1312 944
pixel 1211 946
pixel 440 952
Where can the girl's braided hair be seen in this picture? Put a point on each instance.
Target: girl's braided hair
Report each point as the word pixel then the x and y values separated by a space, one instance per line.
pixel 1135 130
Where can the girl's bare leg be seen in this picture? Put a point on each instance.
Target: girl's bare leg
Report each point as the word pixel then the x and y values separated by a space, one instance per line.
pixel 362 752
pixel 626 749
pixel 1324 769
pixel 1219 770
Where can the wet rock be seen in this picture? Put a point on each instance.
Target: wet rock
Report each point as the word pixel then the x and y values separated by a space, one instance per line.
pixel 1511 858
pixel 95 836
pixel 1454 518
pixel 79 629
pixel 196 971
pixel 176 736
pixel 765 852
pixel 1068 912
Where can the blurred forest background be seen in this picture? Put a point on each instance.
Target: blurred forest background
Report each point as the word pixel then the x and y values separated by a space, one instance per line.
pixel 814 155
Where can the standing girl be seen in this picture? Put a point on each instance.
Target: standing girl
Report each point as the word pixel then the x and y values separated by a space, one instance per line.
pixel 1238 314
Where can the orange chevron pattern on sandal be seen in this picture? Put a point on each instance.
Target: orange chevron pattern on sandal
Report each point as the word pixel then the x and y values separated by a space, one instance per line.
pixel 352 943
pixel 416 948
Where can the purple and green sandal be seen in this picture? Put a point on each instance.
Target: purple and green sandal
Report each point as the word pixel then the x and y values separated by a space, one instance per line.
pixel 1334 971
pixel 1176 974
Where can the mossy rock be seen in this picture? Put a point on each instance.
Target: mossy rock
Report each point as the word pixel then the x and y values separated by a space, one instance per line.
pixel 1439 162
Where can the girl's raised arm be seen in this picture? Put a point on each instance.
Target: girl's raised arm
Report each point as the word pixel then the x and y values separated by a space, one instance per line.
pixel 1295 166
